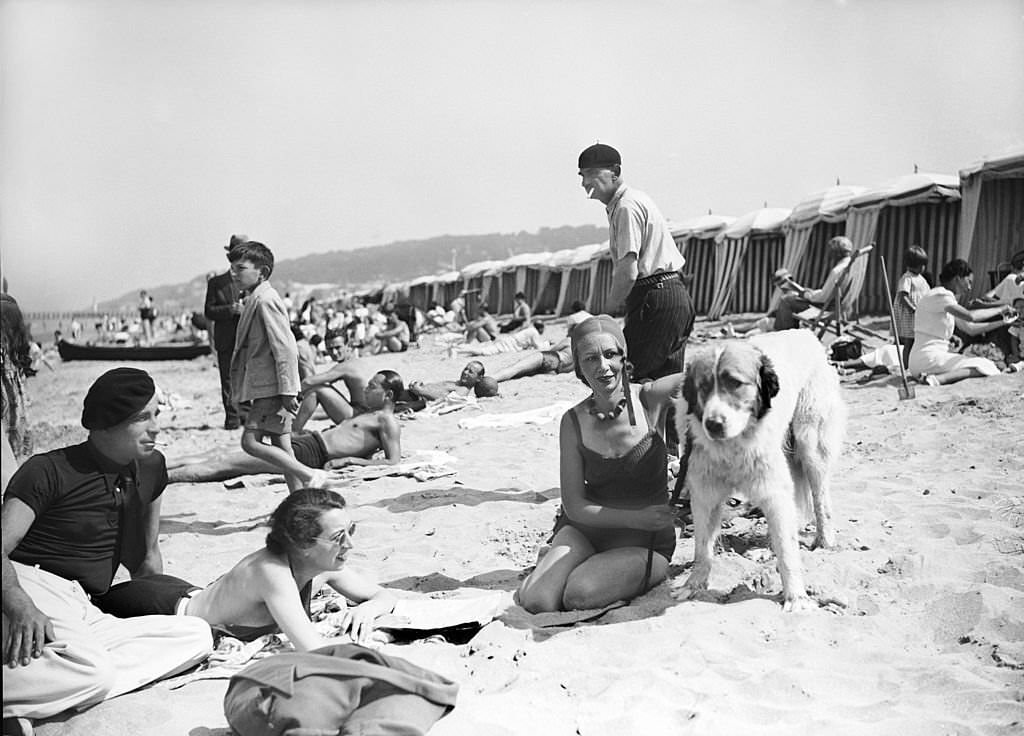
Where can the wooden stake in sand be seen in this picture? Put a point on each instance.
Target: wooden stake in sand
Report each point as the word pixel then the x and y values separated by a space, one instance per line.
pixel 906 391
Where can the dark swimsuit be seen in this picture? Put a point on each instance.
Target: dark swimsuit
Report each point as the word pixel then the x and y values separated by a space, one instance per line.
pixel 251 633
pixel 632 481
pixel 309 449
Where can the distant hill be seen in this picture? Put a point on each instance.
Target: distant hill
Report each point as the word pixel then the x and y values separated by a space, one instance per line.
pixel 398 261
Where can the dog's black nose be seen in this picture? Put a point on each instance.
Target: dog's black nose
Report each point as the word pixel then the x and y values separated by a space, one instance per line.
pixel 714 427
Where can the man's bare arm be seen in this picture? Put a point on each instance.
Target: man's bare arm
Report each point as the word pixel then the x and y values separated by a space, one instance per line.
pixel 26 629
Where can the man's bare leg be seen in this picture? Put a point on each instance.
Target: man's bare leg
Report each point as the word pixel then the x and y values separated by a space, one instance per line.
pixel 217 467
pixel 531 365
pixel 336 406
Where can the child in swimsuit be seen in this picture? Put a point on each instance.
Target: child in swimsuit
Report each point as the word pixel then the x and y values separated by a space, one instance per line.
pixel 614 536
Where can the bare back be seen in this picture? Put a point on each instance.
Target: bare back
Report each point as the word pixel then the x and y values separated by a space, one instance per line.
pixel 237 597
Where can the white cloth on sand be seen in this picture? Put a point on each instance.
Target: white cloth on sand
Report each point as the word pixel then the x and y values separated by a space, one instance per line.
pixel 540 415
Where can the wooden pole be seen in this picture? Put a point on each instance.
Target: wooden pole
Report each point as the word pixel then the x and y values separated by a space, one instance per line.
pixel 907 392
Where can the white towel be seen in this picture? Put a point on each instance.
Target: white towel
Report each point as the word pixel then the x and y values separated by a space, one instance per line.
pixel 541 415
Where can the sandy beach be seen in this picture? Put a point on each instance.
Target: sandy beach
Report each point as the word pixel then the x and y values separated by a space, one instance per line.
pixel 920 628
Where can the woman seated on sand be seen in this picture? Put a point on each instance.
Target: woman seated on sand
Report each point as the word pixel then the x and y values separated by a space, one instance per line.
pixel 270 589
pixel 614 536
pixel 938 314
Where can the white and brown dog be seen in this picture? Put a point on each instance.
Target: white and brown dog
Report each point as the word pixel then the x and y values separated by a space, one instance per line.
pixel 766 420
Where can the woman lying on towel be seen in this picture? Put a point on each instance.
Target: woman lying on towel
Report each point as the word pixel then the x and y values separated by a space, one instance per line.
pixel 614 536
pixel 270 590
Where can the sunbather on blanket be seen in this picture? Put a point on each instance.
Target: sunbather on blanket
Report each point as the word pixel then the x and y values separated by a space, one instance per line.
pixel 269 590
pixel 471 380
pixel 354 442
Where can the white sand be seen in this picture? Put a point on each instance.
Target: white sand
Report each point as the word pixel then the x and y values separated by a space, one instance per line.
pixel 924 633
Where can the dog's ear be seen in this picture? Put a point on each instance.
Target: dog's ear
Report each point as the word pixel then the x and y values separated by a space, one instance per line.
pixel 768 383
pixel 690 391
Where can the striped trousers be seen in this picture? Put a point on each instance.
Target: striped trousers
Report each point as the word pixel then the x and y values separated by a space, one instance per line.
pixel 659 319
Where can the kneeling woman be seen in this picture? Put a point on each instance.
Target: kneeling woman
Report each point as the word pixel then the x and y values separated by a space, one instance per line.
pixel 614 536
pixel 270 590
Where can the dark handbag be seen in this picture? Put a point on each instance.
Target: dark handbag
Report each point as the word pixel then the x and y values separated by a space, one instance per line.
pixel 334 691
pixel 846 348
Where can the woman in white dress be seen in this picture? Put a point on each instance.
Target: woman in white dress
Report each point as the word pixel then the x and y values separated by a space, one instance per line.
pixel 938 314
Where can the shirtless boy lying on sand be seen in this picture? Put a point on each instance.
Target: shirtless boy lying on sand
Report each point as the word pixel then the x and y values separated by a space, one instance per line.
pixel 352 442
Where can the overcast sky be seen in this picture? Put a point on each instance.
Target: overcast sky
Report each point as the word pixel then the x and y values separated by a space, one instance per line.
pixel 137 135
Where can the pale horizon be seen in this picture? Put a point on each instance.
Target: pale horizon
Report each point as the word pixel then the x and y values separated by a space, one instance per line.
pixel 137 136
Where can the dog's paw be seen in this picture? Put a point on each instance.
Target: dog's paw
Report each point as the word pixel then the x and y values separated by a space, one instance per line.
pixel 824 540
pixel 693 587
pixel 797 603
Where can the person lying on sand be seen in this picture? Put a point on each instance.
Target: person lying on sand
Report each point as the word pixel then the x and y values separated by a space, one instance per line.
pixel 352 442
pixel 472 379
pixel 269 590
pixel 523 339
pixel 556 359
pixel 319 389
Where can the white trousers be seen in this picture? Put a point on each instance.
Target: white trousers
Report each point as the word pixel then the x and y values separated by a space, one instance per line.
pixel 95 656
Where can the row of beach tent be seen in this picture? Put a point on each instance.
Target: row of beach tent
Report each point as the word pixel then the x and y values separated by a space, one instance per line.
pixel 977 215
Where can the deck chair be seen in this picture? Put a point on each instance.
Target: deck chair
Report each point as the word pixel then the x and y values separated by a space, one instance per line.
pixel 821 319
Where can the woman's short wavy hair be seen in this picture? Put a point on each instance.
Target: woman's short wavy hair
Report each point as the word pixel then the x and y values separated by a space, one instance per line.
pixel 295 523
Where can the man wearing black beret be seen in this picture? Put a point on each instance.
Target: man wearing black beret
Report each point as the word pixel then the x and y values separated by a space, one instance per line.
pixel 645 268
pixel 71 517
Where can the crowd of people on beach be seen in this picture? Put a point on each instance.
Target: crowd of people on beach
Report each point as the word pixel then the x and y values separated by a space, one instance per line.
pixel 73 516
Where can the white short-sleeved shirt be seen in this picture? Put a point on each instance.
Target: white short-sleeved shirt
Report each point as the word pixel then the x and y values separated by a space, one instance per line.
pixel 932 320
pixel 636 225
pixel 1008 289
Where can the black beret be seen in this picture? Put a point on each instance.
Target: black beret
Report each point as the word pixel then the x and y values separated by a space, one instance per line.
pixel 599 156
pixel 116 396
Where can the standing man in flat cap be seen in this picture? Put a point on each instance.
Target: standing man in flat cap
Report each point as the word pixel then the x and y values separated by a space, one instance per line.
pixel 646 265
pixel 223 309
pixel 70 518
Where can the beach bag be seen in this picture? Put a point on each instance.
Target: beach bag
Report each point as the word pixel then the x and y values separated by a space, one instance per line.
pixel 339 690
pixel 846 348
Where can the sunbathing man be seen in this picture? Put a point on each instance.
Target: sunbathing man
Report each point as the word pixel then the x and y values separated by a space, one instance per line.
pixel 523 339
pixel 319 388
pixel 556 359
pixel 353 442
pixel 270 589
pixel 472 379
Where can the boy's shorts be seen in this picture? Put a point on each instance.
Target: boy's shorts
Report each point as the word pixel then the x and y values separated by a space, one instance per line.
pixel 269 416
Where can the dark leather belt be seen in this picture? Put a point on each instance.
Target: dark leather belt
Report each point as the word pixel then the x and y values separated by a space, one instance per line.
pixel 655 281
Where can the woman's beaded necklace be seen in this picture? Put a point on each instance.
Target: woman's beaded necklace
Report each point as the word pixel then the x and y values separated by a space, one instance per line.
pixel 609 415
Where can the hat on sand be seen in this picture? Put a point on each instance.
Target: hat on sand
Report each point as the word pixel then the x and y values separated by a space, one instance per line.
pixel 599 156
pixel 115 396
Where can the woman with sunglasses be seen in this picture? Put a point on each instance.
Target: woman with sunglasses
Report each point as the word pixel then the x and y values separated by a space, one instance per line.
pixel 270 590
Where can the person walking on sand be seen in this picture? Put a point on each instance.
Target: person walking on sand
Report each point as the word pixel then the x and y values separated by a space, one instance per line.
pixel 352 442
pixel 645 268
pixel 222 309
pixel 265 367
